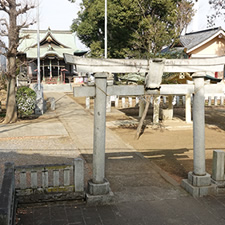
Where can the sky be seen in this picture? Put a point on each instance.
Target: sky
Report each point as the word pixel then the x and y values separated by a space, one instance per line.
pixel 200 20
pixel 59 14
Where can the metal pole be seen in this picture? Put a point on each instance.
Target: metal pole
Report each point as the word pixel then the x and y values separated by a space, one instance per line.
pixel 105 29
pixel 38 50
pixel 39 109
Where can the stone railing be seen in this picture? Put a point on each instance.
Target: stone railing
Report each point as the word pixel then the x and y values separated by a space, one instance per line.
pixel 38 183
pixel 7 196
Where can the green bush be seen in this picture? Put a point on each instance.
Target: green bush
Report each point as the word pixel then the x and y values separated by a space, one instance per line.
pixel 26 100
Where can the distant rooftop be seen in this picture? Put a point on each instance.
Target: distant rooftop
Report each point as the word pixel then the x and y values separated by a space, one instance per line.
pixel 64 40
pixel 194 39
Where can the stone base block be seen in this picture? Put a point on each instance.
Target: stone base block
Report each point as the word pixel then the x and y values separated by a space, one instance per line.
pixel 219 184
pixel 167 114
pixel 98 189
pixel 199 181
pixel 100 199
pixel 198 191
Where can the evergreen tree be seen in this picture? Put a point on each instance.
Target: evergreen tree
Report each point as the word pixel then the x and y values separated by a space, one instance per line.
pixel 136 28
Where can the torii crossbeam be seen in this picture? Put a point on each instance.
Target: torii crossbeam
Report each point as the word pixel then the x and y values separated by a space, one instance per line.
pixel 198 182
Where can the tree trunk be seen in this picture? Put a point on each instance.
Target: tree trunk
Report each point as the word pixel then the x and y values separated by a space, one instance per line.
pixel 142 118
pixel 13 40
pixel 11 109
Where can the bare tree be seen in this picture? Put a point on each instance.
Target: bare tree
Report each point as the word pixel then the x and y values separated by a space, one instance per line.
pixel 11 25
pixel 219 11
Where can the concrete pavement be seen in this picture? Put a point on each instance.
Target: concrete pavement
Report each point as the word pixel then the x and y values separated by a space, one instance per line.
pixel 143 193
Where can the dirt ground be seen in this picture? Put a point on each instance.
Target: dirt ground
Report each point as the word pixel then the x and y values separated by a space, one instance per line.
pixel 170 144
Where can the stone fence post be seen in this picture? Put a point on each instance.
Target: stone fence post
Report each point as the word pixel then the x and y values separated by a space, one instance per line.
pixel 218 166
pixel 7 196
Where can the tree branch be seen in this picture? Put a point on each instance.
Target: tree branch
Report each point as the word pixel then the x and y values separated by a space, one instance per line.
pixel 24 9
pixel 25 25
pixel 3 45
pixel 3 5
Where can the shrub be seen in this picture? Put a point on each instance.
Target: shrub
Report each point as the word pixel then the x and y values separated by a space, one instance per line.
pixel 26 100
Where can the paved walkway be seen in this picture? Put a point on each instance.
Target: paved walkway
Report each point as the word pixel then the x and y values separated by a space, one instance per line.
pixel 143 193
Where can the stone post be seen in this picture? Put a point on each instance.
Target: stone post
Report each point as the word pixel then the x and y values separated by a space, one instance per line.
pixel 87 102
pixel 99 185
pixel 199 125
pixel 188 108
pixel 215 100
pixel 170 101
pixel 39 107
pixel 209 101
pixel 156 109
pixel 167 114
pixel 78 167
pixel 130 101
pixel 218 166
pixel 136 100
pixel 199 182
pixel 123 102
pixel 99 128
pixel 222 100
pixel 7 195
pixel 117 102
pixel 108 104
pixel 178 101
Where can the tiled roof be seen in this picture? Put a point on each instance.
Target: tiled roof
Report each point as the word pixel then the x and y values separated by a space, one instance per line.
pixel 65 39
pixel 191 40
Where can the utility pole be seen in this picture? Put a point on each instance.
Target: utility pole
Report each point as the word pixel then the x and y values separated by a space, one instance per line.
pixel 105 29
pixel 38 50
pixel 39 109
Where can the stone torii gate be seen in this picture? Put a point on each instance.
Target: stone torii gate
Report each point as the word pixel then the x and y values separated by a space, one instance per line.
pixel 198 182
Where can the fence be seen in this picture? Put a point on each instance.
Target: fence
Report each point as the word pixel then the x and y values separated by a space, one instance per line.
pixel 38 183
pixel 178 101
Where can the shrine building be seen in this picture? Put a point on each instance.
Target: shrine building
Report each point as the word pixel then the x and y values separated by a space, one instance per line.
pixel 53 44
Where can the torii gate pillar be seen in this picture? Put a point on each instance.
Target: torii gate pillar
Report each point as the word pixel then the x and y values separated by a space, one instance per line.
pixel 199 182
pixel 99 186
